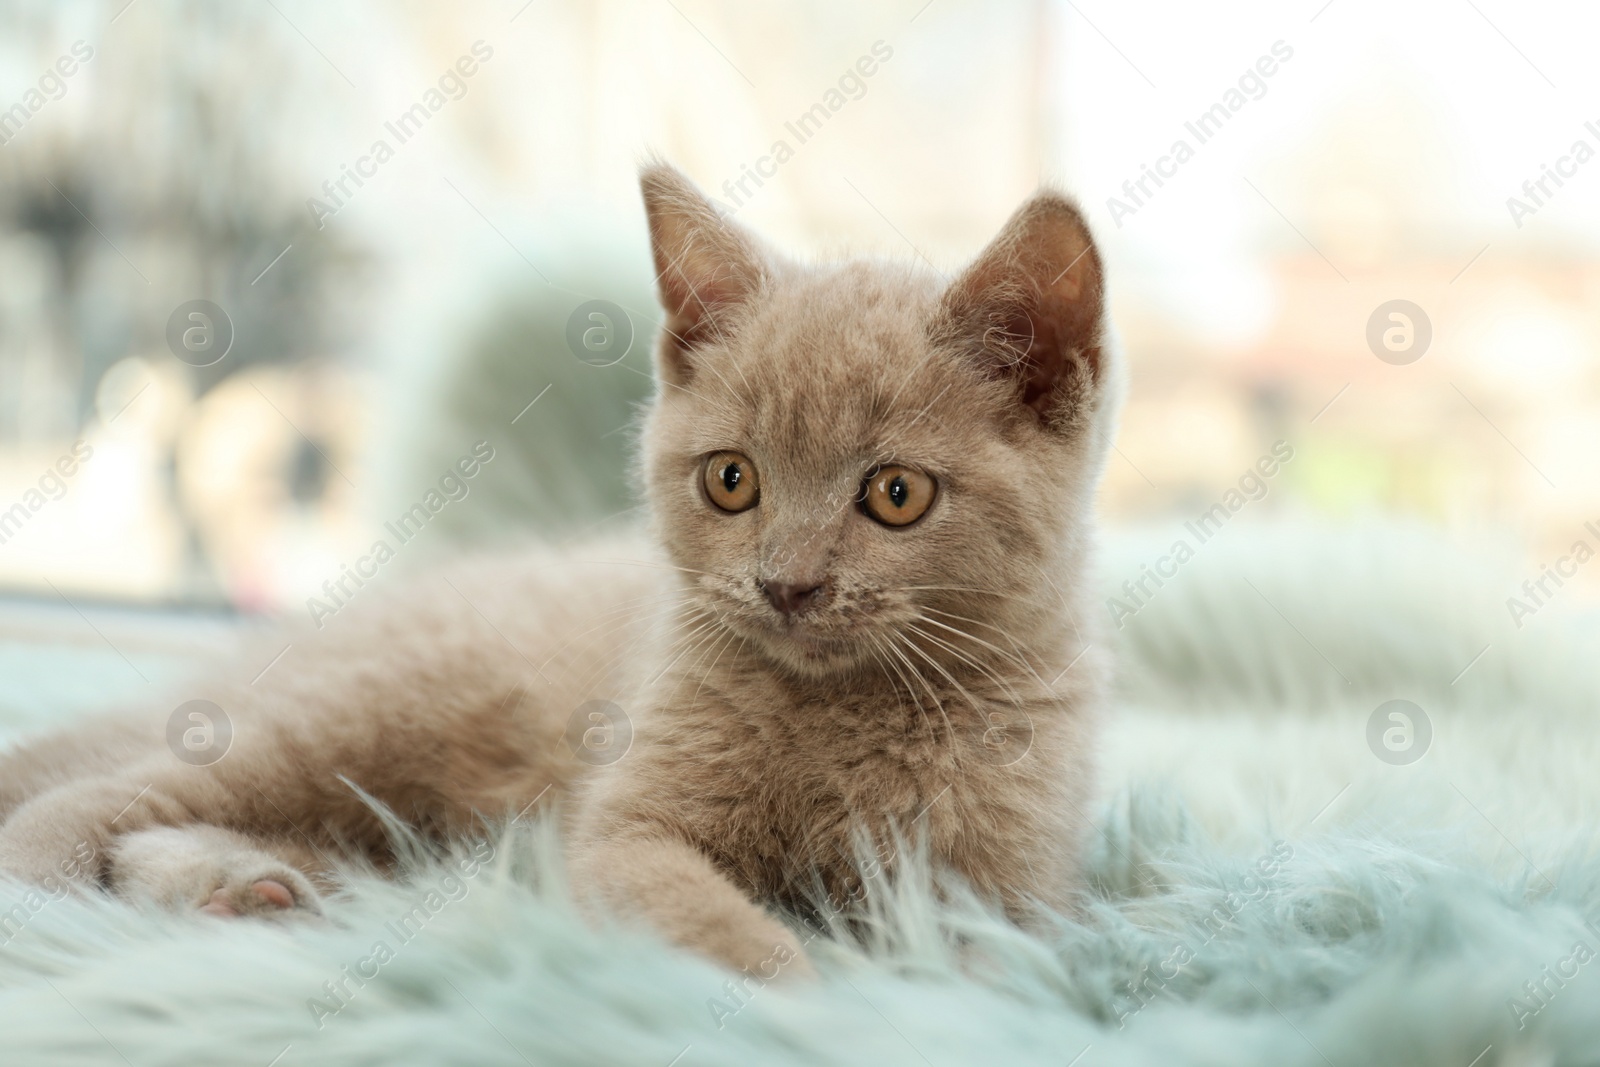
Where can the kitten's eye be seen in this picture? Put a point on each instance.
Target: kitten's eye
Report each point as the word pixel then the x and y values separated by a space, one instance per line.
pixel 731 481
pixel 897 496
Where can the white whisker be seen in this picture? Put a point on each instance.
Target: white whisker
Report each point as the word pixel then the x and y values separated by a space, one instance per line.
pixel 900 639
pixel 916 702
pixel 1015 658
pixel 1016 700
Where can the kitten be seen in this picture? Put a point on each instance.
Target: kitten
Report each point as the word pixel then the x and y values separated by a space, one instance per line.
pixel 865 617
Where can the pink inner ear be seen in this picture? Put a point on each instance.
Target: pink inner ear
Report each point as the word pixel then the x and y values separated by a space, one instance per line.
pixel 1033 302
pixel 1044 361
pixel 693 297
pixel 1041 337
pixel 704 263
pixel 705 266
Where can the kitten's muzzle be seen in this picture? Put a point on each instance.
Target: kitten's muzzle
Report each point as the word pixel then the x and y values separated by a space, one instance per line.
pixel 791 598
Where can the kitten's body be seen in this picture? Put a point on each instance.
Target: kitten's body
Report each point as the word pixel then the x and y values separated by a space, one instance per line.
pixel 444 697
pixel 939 681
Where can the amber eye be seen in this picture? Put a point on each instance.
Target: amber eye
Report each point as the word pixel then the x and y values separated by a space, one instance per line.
pixel 731 481
pixel 897 496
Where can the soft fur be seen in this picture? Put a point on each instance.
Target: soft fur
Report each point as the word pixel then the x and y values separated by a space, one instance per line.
pixel 1400 931
pixel 941 690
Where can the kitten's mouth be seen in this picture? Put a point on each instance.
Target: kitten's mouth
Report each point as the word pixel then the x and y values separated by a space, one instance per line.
pixel 805 641
pixel 812 644
pixel 810 641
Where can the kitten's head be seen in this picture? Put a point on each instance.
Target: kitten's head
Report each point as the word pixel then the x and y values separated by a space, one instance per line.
pixel 851 462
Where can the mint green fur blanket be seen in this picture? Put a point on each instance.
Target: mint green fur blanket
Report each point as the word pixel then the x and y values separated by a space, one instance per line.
pixel 1263 888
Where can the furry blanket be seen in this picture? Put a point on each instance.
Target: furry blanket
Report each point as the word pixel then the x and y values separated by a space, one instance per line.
pixel 1275 879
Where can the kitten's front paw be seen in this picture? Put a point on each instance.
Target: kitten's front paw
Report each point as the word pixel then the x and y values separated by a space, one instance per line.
pixel 798 968
pixel 773 955
pixel 210 870
pixel 271 891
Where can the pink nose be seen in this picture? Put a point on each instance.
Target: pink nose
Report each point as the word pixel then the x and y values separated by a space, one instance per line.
pixel 792 597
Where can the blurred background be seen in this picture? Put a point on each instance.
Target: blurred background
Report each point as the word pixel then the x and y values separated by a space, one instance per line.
pixel 397 207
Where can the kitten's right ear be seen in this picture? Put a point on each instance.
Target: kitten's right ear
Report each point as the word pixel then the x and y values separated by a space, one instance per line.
pixel 1030 311
pixel 705 265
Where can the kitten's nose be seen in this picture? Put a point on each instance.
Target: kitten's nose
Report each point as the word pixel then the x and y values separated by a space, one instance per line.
pixel 791 597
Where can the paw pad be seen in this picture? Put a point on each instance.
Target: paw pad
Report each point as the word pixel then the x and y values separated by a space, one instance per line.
pixel 266 894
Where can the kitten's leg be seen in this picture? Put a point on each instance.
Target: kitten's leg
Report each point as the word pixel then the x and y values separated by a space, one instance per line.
pixel 64 833
pixel 675 889
pixel 144 837
pixel 217 871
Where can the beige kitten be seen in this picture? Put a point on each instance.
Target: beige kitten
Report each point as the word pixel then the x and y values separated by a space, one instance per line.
pixel 866 618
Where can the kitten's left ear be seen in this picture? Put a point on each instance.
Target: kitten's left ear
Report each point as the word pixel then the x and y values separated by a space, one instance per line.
pixel 706 265
pixel 1031 309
